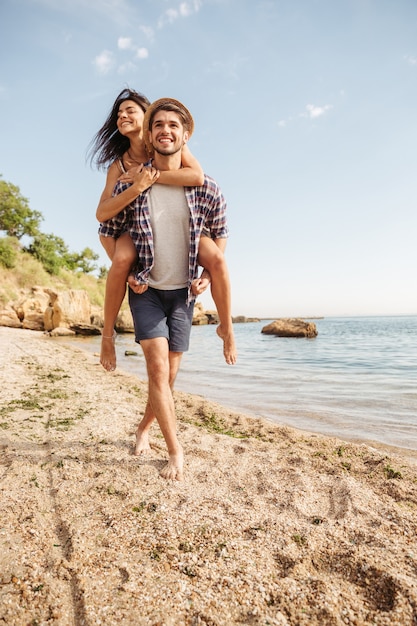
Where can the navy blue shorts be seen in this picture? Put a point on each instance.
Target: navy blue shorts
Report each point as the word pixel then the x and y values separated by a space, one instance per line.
pixel 162 313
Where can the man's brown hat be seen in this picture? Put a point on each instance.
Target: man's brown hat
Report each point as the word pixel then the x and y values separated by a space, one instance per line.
pixel 159 104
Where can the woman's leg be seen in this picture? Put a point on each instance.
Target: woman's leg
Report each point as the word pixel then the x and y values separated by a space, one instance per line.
pixel 212 259
pixel 122 253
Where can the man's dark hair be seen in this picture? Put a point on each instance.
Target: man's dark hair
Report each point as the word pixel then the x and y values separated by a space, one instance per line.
pixel 170 106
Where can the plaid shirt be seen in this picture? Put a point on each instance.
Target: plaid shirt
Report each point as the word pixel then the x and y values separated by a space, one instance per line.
pixel 207 210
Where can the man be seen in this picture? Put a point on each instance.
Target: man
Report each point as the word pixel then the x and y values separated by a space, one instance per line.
pixel 167 226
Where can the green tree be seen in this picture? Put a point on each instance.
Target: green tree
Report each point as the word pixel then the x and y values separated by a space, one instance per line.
pixel 83 261
pixel 103 272
pixel 16 218
pixel 50 250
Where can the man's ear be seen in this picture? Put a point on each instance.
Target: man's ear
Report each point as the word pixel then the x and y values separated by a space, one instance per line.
pixel 186 137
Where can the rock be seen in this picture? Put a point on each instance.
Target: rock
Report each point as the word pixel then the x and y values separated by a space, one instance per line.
pixel 85 329
pixel 212 317
pixel 290 327
pixel 48 309
pixel 8 317
pixel 61 331
pixel 97 316
pixel 67 308
pixel 202 317
pixel 241 319
pixel 124 322
pixel 199 316
pixel 45 309
pixel 30 308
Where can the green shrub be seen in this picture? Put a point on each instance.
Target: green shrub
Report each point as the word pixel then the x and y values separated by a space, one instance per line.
pixel 8 252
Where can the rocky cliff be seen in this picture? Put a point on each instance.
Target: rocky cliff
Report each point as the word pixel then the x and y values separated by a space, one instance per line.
pixel 69 311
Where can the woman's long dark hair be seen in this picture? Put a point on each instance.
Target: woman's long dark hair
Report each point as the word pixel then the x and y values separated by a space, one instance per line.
pixel 108 144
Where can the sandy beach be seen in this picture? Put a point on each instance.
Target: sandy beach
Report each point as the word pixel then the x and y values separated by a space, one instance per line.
pixel 272 526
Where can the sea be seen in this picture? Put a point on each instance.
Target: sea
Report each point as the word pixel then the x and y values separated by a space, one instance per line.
pixel 357 380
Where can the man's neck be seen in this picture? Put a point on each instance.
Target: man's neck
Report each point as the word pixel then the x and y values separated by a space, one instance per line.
pixel 167 162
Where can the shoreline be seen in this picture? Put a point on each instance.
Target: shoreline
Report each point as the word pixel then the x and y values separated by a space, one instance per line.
pixel 183 385
pixel 91 534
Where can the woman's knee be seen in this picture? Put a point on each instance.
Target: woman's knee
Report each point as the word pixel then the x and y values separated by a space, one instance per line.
pixel 124 256
pixel 215 263
pixel 211 257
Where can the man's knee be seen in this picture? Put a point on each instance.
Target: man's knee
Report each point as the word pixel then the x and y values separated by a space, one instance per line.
pixel 157 364
pixel 158 374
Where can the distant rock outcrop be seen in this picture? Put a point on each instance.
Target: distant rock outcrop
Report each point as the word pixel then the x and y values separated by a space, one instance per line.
pixel 290 327
pixel 66 309
pixel 8 317
pixel 241 319
pixel 30 308
pixel 202 317
pixel 42 308
pixel 70 312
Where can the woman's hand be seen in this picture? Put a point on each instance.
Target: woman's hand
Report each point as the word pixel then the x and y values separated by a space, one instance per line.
pixel 141 177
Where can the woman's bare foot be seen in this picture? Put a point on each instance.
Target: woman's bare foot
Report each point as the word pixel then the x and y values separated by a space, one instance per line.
pixel 174 469
pixel 108 352
pixel 142 445
pixel 229 346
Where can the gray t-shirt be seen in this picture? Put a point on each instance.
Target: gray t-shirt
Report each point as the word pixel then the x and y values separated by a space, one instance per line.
pixel 170 219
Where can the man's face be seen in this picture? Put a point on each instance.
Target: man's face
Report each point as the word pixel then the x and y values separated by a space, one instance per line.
pixel 167 134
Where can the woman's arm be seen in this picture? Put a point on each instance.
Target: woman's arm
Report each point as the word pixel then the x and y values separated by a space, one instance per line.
pixel 110 205
pixel 190 175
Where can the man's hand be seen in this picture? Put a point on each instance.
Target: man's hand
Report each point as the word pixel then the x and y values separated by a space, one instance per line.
pixel 135 285
pixel 199 285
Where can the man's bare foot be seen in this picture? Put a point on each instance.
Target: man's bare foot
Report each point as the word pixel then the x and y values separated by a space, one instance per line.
pixel 108 352
pixel 142 445
pixel 229 346
pixel 174 469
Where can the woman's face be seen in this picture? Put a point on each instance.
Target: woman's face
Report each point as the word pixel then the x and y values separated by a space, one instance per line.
pixel 130 118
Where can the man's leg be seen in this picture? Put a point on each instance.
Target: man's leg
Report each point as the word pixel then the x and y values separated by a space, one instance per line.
pixel 142 433
pixel 161 403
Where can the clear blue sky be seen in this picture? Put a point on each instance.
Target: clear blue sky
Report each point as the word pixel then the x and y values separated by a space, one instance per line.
pixel 305 114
